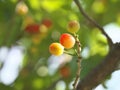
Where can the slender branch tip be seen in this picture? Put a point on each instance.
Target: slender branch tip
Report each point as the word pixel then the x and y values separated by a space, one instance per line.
pixel 91 20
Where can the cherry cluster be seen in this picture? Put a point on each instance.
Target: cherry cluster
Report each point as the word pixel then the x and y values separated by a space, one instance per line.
pixel 66 41
pixel 30 26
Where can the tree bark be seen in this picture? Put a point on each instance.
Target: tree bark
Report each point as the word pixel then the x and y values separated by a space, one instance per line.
pixel 105 68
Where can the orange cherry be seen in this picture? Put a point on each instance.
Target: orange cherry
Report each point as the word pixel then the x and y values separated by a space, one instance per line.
pixel 67 40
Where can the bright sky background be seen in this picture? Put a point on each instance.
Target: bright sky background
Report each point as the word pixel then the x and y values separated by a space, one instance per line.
pixel 113 30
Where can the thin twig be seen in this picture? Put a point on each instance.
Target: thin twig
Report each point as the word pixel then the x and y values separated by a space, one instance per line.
pixel 78 62
pixel 110 43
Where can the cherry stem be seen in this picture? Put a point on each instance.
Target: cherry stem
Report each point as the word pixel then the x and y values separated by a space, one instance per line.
pixel 78 61
pixel 66 52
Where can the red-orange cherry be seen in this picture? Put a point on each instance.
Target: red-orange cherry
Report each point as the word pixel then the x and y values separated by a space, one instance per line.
pixel 67 40
pixel 47 23
pixel 65 71
pixel 32 28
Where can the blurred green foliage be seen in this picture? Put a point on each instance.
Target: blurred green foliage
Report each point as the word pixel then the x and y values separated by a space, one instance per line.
pixel 60 12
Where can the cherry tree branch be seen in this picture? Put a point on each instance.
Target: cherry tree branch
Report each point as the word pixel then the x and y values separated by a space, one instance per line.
pixel 91 20
pixel 78 62
pixel 107 66
pixel 104 69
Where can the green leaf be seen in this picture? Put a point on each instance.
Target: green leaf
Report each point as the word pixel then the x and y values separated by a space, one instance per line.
pixel 52 5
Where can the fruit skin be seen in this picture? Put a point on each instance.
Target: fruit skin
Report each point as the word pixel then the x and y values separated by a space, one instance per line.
pixel 21 8
pixel 43 28
pixel 67 40
pixel 32 28
pixel 56 49
pixel 73 26
pixel 65 71
pixel 47 23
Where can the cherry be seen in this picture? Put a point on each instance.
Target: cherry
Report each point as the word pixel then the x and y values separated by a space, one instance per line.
pixel 43 28
pixel 56 49
pixel 32 28
pixel 73 26
pixel 67 40
pixel 21 8
pixel 47 23
pixel 65 71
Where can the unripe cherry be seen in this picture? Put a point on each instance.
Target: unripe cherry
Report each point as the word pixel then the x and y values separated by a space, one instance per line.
pixel 43 28
pixel 21 8
pixel 56 49
pixel 67 40
pixel 73 26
